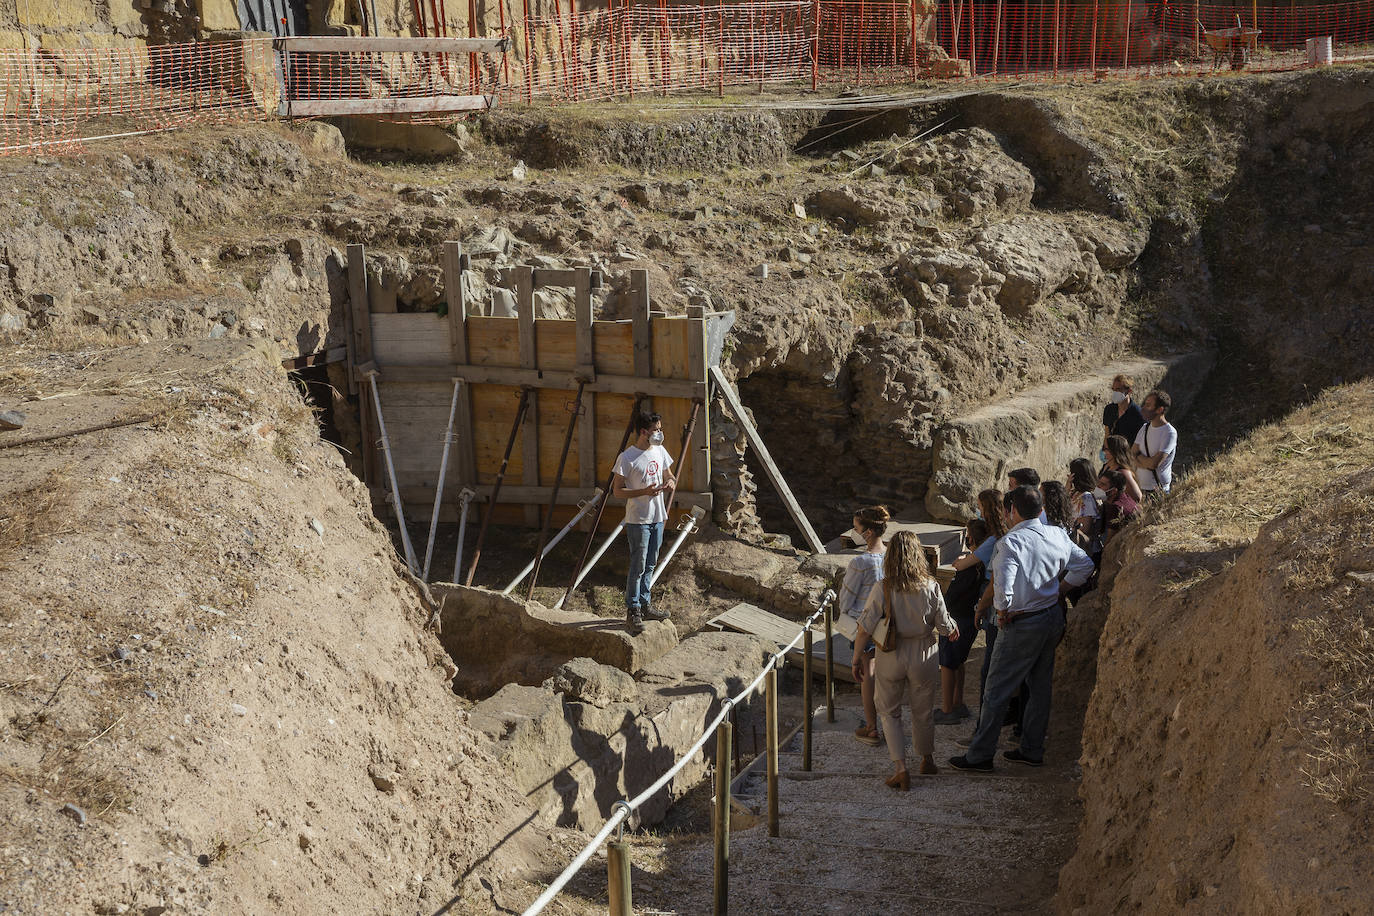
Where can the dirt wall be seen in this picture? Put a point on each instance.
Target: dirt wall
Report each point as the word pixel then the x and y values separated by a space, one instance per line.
pixel 1226 756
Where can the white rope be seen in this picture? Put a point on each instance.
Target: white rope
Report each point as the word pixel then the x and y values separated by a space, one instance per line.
pixel 622 809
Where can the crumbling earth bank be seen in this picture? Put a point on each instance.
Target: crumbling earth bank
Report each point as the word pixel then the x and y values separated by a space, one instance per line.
pixel 1226 747
pixel 217 695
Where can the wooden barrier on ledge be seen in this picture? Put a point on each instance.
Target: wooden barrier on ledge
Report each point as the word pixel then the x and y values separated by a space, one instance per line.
pixel 421 355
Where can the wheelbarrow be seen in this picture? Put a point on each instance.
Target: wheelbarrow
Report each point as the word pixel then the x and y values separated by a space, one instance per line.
pixel 1233 44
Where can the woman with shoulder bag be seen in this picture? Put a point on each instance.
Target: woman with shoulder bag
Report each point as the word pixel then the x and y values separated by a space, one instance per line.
pixel 904 615
pixel 863 572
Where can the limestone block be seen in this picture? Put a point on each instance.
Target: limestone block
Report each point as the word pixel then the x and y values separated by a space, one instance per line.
pixel 586 680
pixel 1045 428
pixel 57 14
pixel 424 140
pixel 217 15
pixel 531 734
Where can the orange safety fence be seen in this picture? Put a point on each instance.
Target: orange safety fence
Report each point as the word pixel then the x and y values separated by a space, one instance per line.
pixel 55 99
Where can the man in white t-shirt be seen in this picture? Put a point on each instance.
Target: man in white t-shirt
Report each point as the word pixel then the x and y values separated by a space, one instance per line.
pixel 1155 445
pixel 644 481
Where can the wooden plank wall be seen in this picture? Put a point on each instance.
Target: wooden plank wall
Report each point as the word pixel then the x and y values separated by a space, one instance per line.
pixel 417 410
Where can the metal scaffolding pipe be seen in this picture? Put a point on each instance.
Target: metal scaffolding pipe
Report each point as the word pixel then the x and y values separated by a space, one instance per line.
pixel 575 411
pixel 391 474
pixel 690 523
pixel 583 508
pixel 587 567
pixel 443 471
pixel 465 499
pixel 520 412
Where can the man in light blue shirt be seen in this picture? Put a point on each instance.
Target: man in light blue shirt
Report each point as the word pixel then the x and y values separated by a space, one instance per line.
pixel 1033 566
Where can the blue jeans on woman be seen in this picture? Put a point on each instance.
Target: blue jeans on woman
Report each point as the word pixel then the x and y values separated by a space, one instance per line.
pixel 644 543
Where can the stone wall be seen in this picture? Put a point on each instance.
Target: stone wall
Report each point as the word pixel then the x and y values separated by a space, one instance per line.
pixel 1044 428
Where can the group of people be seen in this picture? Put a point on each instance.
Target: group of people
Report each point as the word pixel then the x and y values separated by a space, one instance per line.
pixel 1033 550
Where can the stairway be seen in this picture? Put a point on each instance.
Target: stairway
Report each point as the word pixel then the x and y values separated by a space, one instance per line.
pixel 957 843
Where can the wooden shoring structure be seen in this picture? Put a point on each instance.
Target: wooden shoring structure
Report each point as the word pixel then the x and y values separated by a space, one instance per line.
pixel 419 355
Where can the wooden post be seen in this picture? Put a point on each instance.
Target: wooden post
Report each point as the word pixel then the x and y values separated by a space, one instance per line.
pixel 586 368
pixel 829 666
pixel 911 13
pixel 815 45
pixel 1126 45
pixel 697 369
pixel 1056 37
pixel 1197 36
pixel 722 821
pixel 766 459
pixel 1092 44
pixel 771 710
pixel 972 38
pixel 639 314
pixel 618 879
pixel 808 648
pixel 458 345
pixel 529 359
pixel 997 36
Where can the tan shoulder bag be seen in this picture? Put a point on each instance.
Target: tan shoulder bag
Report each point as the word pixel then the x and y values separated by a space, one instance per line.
pixel 885 633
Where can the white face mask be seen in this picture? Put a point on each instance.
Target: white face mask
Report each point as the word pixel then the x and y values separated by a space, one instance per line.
pixel 1117 397
pixel 656 437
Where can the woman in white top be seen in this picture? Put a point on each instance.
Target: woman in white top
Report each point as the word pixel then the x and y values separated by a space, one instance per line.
pixel 1087 521
pixel 910 598
pixel 863 573
pixel 1119 458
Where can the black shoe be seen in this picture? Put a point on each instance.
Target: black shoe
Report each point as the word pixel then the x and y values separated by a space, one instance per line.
pixel 651 614
pixel 634 622
pixel 1018 757
pixel 963 763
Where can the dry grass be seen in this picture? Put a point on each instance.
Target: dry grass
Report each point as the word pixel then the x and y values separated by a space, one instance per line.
pixel 33 514
pixel 1338 720
pixel 1277 467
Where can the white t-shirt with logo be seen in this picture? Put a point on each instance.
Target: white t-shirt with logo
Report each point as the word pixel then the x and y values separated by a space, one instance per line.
pixel 1157 440
pixel 644 468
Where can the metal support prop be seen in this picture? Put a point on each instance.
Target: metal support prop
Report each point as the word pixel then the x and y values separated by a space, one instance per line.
pixel 771 710
pixel 722 821
pixel 465 499
pixel 439 485
pixel 500 476
pixel 575 411
pixel 391 475
pixel 682 450
pixel 583 508
pixel 601 509
pixel 586 570
pixel 829 665
pixel 690 522
pixel 807 710
pixel 618 878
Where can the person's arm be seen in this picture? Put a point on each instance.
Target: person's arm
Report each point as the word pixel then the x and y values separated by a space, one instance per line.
pixel 848 602
pixel 940 620
pixel 1080 569
pixel 1133 485
pixel 1005 572
pixel 620 491
pixel 857 666
pixel 1149 462
pixel 868 622
pixel 980 611
pixel 964 562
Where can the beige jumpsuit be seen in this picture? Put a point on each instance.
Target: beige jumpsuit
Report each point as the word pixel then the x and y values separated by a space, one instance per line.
pixel 912 670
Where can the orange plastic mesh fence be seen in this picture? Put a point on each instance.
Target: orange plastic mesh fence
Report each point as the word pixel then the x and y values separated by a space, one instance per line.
pixel 55 99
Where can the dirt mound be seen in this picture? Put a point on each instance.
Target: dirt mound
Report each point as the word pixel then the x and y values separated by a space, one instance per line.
pixel 215 693
pixel 1226 751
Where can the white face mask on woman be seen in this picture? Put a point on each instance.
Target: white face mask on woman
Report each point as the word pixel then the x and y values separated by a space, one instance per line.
pixel 1118 396
pixel 656 437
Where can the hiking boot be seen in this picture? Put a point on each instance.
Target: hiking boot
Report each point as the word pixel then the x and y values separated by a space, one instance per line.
pixel 963 712
pixel 651 614
pixel 947 718
pixel 634 621
pixel 963 763
pixel 1017 757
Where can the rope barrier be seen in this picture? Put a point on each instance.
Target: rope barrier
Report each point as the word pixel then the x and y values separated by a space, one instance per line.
pixel 622 809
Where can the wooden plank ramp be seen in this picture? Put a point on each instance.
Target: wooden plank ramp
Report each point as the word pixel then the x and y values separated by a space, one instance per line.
pixel 748 618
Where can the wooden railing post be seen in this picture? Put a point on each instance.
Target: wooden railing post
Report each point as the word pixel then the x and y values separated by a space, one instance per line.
pixel 618 878
pixel 722 821
pixel 806 701
pixel 771 711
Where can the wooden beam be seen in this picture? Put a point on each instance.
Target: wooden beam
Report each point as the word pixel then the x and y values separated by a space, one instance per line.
pixel 336 43
pixel 316 108
pixel 761 451
pixel 458 346
pixel 318 358
pixel 586 363
pixel 639 314
pixel 696 367
pixel 544 276
pixel 539 496
pixel 547 378
pixel 529 360
pixel 361 311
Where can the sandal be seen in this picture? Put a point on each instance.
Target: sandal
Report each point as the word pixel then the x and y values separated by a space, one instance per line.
pixel 865 735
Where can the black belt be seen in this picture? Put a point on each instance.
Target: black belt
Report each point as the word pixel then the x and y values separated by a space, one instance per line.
pixel 1022 615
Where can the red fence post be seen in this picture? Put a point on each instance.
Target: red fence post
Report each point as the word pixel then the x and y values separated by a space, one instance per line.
pixel 816 46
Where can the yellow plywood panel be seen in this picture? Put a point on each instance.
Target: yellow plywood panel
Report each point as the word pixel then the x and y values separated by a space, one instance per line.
pixel 555 343
pixel 669 343
pixel 493 342
pixel 613 342
pixel 410 339
pixel 493 412
pixel 554 414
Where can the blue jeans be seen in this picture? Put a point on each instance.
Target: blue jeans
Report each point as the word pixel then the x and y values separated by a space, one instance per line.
pixel 644 543
pixel 1023 654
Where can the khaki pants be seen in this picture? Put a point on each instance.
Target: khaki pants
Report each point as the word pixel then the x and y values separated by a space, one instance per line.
pixel 911 672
